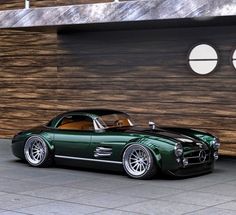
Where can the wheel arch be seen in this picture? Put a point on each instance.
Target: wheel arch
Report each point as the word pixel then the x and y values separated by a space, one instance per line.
pixel 153 148
pixel 45 137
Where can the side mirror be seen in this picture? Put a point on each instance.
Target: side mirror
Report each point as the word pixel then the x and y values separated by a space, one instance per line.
pixel 152 125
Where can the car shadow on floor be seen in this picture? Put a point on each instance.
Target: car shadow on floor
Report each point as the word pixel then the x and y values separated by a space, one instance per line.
pixel 116 172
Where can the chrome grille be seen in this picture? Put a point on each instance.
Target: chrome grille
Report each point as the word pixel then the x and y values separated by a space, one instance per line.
pixel 197 157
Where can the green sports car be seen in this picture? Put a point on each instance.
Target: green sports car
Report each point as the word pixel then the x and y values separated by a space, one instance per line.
pixel 103 138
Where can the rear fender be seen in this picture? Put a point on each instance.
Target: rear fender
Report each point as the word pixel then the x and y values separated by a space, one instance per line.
pixel 46 137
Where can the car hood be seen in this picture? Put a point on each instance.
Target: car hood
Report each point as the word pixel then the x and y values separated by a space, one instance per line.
pixel 176 136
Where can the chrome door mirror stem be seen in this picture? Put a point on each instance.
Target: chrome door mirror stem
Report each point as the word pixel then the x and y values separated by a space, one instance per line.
pixel 27 4
pixel 152 125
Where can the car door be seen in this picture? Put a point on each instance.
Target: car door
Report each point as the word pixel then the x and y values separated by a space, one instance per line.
pixel 72 136
pixel 108 145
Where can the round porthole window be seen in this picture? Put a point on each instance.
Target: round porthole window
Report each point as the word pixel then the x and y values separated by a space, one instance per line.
pixel 203 59
pixel 234 59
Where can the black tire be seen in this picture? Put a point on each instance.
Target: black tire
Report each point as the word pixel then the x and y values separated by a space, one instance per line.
pixel 138 162
pixel 37 153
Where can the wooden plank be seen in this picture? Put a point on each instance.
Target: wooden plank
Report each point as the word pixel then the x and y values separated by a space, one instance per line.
pixel 22 72
pixel 21 39
pixel 228 149
pixel 11 4
pixel 51 3
pixel 159 84
pixel 100 72
pixel 122 59
pixel 202 103
pixel 28 50
pixel 28 110
pixel 53 103
pixel 110 71
pixel 32 61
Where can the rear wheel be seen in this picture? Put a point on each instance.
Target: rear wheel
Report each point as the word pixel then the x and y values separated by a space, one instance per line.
pixel 138 162
pixel 36 152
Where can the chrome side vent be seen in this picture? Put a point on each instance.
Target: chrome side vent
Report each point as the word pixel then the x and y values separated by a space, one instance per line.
pixel 102 152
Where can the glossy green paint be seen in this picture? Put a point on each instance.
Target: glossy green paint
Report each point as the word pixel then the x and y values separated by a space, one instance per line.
pixel 71 143
pixel 83 144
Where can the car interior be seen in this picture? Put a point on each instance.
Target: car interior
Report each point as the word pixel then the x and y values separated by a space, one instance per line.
pixel 76 123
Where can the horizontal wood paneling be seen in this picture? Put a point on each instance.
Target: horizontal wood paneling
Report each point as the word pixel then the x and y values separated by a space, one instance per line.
pixel 129 84
pixel 30 72
pixel 146 73
pixel 51 3
pixel 19 4
pixel 25 56
pixel 11 4
pixel 142 72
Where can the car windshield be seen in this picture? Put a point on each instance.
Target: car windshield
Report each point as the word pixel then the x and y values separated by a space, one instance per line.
pixel 116 120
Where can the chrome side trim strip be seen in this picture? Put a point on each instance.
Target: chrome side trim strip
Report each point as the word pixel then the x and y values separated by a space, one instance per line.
pixel 87 159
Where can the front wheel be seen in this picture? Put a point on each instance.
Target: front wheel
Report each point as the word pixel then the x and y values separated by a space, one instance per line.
pixel 36 152
pixel 138 162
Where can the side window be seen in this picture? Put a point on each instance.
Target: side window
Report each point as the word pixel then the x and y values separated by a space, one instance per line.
pixel 76 122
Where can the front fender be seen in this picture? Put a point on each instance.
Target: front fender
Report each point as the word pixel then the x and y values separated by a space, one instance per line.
pixel 148 144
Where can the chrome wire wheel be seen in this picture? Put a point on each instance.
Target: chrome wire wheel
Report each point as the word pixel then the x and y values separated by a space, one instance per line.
pixel 137 161
pixel 35 151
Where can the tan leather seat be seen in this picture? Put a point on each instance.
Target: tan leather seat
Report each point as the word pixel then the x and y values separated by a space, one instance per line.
pixel 77 125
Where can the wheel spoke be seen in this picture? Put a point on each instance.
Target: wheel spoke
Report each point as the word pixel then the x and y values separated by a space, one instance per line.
pixel 143 166
pixel 134 166
pixel 136 152
pixel 40 156
pixel 135 156
pixel 137 168
pixel 134 162
pixel 36 156
pixel 140 153
pixel 145 163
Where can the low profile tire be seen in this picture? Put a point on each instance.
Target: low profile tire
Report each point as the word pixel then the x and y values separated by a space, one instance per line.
pixel 138 162
pixel 36 152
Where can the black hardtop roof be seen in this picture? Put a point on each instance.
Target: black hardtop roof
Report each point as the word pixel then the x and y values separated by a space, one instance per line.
pixel 98 112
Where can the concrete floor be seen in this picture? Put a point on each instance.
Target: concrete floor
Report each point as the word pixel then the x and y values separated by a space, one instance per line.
pixel 60 190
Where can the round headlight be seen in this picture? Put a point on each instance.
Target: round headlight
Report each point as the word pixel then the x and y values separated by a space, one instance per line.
pixel 178 150
pixel 215 143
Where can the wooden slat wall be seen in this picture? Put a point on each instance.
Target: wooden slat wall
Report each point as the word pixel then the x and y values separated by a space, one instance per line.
pixel 51 3
pixel 28 65
pixel 11 4
pixel 143 72
pixel 19 4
